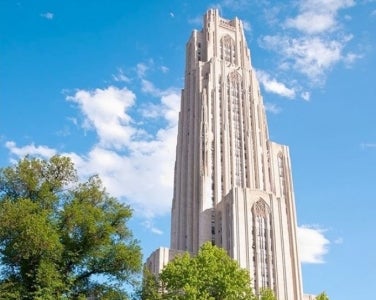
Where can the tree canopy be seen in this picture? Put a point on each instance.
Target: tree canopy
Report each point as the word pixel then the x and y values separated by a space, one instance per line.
pixel 267 294
pixel 322 296
pixel 211 274
pixel 62 239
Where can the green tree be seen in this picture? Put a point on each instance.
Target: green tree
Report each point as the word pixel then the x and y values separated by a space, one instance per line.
pixel 322 296
pixel 150 289
pixel 211 274
pixel 61 239
pixel 267 294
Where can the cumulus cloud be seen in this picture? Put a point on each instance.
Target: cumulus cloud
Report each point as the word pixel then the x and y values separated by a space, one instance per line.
pixel 312 244
pixel 311 56
pixel 105 111
pixel 274 86
pixel 317 16
pixel 312 23
pixel 135 166
pixel 144 175
pixel 312 41
pixel 42 151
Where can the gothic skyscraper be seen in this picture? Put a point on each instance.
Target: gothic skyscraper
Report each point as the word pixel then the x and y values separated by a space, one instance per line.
pixel 233 186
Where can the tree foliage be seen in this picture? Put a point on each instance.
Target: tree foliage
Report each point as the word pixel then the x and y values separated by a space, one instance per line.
pixel 322 296
pixel 211 274
pixel 267 294
pixel 58 236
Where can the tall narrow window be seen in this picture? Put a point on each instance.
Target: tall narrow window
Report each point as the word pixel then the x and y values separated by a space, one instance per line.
pixel 281 173
pixel 262 248
pixel 228 228
pixel 234 81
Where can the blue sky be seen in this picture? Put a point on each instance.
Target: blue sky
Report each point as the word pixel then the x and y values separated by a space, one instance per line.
pixel 100 81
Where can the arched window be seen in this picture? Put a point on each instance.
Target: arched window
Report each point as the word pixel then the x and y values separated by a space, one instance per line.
pixel 228 49
pixel 262 247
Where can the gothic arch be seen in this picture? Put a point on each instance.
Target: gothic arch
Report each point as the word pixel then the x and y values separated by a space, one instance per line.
pixel 262 246
pixel 261 208
pixel 228 49
pixel 234 77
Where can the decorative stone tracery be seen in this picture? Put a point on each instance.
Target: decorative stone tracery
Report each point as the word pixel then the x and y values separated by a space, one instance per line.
pixel 228 49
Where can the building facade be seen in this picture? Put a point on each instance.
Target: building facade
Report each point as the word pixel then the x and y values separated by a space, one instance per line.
pixel 233 185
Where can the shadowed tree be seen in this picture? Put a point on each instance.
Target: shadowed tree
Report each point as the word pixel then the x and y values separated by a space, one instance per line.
pixel 61 239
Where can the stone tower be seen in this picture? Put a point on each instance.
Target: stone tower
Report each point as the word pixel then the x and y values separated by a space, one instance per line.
pixel 233 186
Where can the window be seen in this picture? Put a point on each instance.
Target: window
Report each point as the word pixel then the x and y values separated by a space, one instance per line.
pixel 228 49
pixel 262 244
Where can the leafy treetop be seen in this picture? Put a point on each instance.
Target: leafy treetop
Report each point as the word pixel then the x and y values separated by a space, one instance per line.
pixel 59 236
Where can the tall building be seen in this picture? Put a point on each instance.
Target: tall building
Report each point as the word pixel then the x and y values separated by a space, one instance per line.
pixel 233 185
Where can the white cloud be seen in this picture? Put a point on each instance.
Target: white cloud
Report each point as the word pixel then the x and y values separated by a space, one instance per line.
pixel 272 108
pixel 350 58
pixel 120 76
pixel 317 43
pixel 47 15
pixel 273 86
pixel 144 175
pixel 306 95
pixel 312 244
pixel 42 151
pixel 317 16
pixel 310 22
pixel 141 69
pixel 164 69
pixel 149 88
pixel 135 166
pixel 311 56
pixel 149 225
pixel 325 5
pixel 247 26
pixel 105 111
